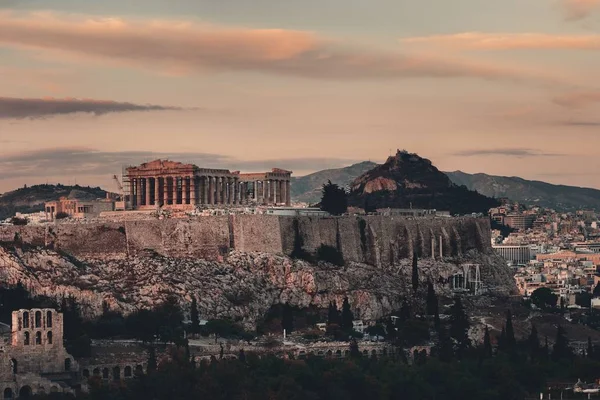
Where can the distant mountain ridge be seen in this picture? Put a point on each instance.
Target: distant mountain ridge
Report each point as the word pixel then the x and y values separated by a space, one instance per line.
pixel 30 199
pixel 407 180
pixel 559 197
pixel 308 188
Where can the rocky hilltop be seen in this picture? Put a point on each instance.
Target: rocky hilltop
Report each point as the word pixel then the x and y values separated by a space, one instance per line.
pixel 239 266
pixel 32 198
pixel 408 180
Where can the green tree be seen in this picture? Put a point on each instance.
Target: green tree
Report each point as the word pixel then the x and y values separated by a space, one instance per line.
pixel 487 344
pixel 194 315
pixel 459 326
pixel 415 273
pixel 347 316
pixel 544 298
pixel 561 350
pixel 432 300
pixel 511 342
pixel 334 199
pixel 596 292
pixel 590 348
pixel 287 318
pixel 152 364
pixel 533 342
pixel 333 315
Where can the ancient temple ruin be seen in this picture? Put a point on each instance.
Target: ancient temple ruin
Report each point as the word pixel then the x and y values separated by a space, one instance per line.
pixel 173 184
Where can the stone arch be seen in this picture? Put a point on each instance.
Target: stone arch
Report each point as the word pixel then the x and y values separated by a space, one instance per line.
pixel 96 372
pixel 366 353
pixel 41 390
pixel 338 354
pixel 67 364
pixel 48 319
pixel 49 337
pixel 329 353
pixel 116 373
pixel 8 393
pixel 139 370
pixel 25 392
pixel 26 338
pixel 373 352
pixel 86 373
pixel 38 337
pixel 38 319
pixel 25 319
pixel 54 389
pixel 105 373
pixel 127 372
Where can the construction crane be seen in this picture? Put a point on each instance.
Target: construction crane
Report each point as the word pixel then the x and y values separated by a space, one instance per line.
pixel 119 186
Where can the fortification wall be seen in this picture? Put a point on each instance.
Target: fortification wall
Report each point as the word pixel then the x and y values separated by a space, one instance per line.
pixel 377 240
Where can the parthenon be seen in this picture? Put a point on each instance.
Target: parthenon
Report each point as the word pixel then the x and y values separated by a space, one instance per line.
pixel 172 184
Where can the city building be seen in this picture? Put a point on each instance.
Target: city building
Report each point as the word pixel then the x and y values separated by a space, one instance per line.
pixel 514 254
pixel 170 184
pixel 519 221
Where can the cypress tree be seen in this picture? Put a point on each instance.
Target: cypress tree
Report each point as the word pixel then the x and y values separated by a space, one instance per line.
pixel 333 315
pixel 194 316
pixel 287 318
pixel 487 344
pixel 502 341
pixel 405 312
pixel 432 300
pixel 151 360
pixel 347 316
pixel 561 349
pixel 511 342
pixel 459 326
pixel 590 348
pixel 415 273
pixel 534 343
pixel 354 351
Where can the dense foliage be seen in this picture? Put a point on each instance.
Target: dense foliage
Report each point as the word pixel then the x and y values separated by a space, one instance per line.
pixel 334 199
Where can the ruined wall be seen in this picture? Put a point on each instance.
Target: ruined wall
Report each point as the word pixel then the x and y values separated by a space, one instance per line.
pixel 376 240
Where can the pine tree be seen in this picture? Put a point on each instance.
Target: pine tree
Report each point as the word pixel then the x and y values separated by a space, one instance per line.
pixel 502 340
pixel 415 273
pixel 391 332
pixel 334 199
pixel 511 342
pixel 333 315
pixel 444 348
pixel 546 349
pixel 347 316
pixel 534 343
pixel 487 344
pixel 432 300
pixel 405 312
pixel 194 315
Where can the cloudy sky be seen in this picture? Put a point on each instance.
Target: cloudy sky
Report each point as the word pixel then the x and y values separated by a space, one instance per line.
pixel 503 87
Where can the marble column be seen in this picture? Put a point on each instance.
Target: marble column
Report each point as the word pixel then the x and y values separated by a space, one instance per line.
pixel 156 191
pixel 288 193
pixel 211 190
pixel 217 190
pixel 265 191
pixel 236 191
pixel 223 190
pixel 138 193
pixel 147 199
pixel 174 190
pixel 205 199
pixel 165 190
pixel 273 192
pixel 230 191
pixel 281 191
pixel 131 192
pixel 193 192
pixel 185 185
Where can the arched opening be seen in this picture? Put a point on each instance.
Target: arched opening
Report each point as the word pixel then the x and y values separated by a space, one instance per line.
pixel 127 372
pixel 49 337
pixel 139 370
pixel 25 392
pixel 38 337
pixel 38 319
pixel 67 364
pixel 49 319
pixel 96 372
pixel 13 363
pixel 86 373
pixel 338 354
pixel 105 373
pixel 26 338
pixel 26 320
pixel 329 354
pixel 8 393
pixel 116 372
pixel 40 391
pixel 54 389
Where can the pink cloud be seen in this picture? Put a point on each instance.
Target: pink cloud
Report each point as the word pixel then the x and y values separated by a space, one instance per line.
pixel 508 41
pixel 578 99
pixel 579 9
pixel 188 47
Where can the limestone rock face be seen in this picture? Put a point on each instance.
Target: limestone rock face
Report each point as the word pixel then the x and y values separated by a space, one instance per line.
pixel 243 285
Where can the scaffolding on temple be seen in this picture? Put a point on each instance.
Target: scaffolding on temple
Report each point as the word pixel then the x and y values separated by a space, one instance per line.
pixel 468 280
pixel 127 200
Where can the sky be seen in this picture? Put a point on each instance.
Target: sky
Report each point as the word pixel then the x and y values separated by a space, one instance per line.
pixel 507 87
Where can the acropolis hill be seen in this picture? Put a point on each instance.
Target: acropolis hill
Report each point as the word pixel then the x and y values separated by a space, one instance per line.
pixel 239 265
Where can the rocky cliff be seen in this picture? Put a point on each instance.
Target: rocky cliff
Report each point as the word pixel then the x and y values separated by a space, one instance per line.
pixel 238 266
